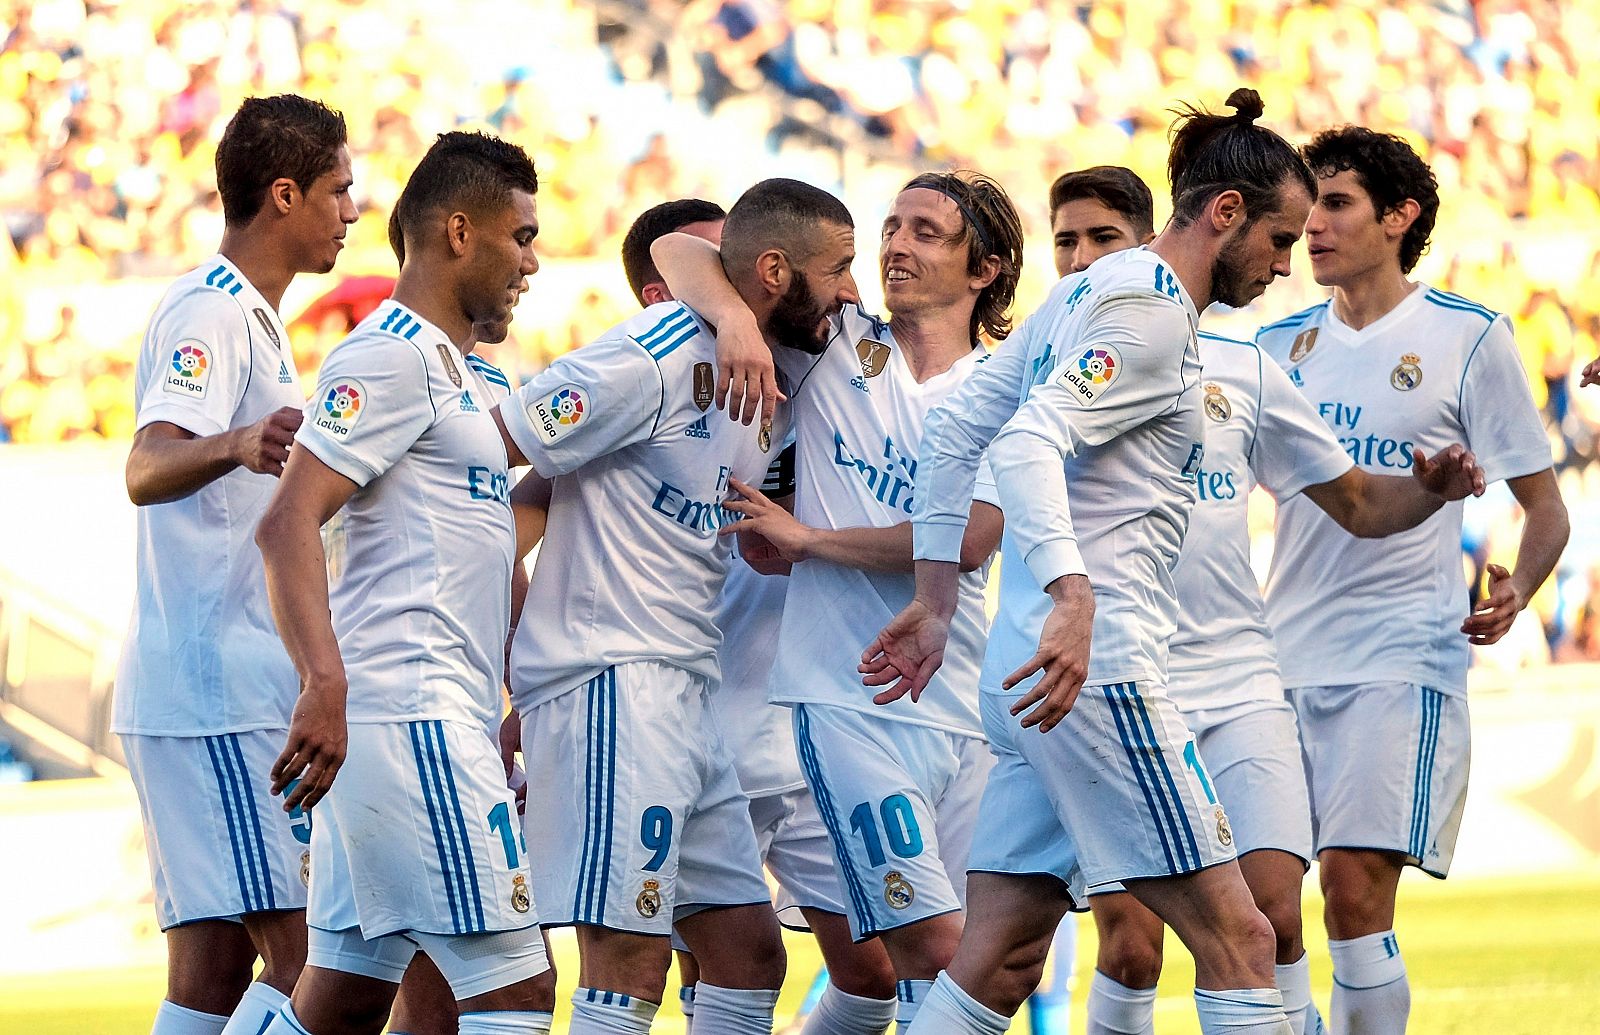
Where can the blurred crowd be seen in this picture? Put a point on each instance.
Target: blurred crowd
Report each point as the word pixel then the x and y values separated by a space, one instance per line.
pixel 110 109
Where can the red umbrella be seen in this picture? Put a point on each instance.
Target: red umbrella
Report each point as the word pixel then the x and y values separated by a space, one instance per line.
pixel 354 296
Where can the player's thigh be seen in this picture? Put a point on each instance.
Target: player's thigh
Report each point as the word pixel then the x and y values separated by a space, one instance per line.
pixel 1252 754
pixel 209 964
pixel 799 856
pixel 719 860
pixel 875 785
pixel 1387 767
pixel 219 843
pixel 1128 782
pixel 349 981
pixel 492 970
pixel 424 1004
pixel 855 968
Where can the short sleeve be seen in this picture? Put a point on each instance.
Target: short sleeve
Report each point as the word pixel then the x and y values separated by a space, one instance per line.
pixel 1503 427
pixel 590 402
pixel 200 367
pixel 372 403
pixel 1293 446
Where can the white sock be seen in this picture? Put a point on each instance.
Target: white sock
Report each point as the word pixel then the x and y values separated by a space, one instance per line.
pixel 505 1022
pixel 1294 981
pixel 1371 995
pixel 172 1019
pixel 686 1004
pixel 733 1011
pixel 948 1009
pixel 284 1022
pixel 598 1012
pixel 1241 1011
pixel 1116 1009
pixel 840 1013
pixel 255 1010
pixel 909 997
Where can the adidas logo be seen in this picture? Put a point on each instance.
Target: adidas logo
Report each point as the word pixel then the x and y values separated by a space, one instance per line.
pixel 467 405
pixel 698 429
pixel 284 377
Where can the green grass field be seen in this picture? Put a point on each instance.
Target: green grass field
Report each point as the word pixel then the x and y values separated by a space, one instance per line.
pixel 1508 958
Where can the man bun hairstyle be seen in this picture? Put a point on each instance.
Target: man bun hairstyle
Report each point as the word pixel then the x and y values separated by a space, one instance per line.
pixel 665 218
pixel 1212 153
pixel 273 138
pixel 990 226
pixel 463 172
pixel 779 213
pixel 1389 170
pixel 1118 188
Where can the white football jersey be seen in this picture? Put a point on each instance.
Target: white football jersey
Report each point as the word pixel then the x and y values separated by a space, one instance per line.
pixel 1093 406
pixel 202 655
pixel 858 415
pixel 1434 371
pixel 424 602
pixel 631 563
pixel 1259 431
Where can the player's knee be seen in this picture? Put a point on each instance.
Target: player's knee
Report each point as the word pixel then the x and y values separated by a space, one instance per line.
pixel 922 950
pixel 869 975
pixel 1129 958
pixel 1283 913
pixel 1353 897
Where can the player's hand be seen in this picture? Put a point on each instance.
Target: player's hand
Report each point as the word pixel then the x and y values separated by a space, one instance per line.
pixel 747 382
pixel 263 447
pixel 1493 616
pixel 316 747
pixel 779 528
pixel 510 740
pixel 759 553
pixel 1452 474
pixel 1591 373
pixel 906 653
pixel 1063 656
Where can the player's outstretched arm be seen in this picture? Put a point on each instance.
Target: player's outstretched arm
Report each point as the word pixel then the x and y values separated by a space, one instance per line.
pixel 168 463
pixel 1545 530
pixel 909 650
pixel 1372 506
pixel 290 541
pixel 746 378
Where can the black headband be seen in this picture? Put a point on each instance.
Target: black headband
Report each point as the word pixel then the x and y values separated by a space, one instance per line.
pixel 966 212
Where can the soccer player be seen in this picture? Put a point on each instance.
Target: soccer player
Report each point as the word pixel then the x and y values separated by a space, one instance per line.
pixel 1393 365
pixel 899 787
pixel 1101 390
pixel 204 689
pixel 859 998
pixel 416 846
pixel 616 653
pixel 1097 211
pixel 1222 670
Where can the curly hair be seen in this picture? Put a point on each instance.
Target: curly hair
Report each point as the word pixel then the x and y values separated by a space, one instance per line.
pixel 990 226
pixel 1389 171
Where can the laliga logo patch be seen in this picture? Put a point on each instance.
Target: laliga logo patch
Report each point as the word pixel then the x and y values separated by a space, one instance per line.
pixel 521 901
pixel 558 413
pixel 874 355
pixel 341 407
pixel 649 901
pixel 1304 342
pixel 1091 374
pixel 191 367
pixel 1408 374
pixel 897 891
pixel 1216 404
pixel 1224 831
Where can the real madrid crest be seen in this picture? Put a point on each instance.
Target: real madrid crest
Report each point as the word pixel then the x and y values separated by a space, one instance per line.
pixel 649 901
pixel 873 355
pixel 1224 831
pixel 449 364
pixel 1304 342
pixel 1216 404
pixel 897 891
pixel 305 868
pixel 705 384
pixel 764 438
pixel 521 901
pixel 1408 374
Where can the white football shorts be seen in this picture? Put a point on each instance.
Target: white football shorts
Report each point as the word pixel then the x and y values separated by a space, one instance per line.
pixel 631 787
pixel 1387 768
pixel 899 801
pixel 220 844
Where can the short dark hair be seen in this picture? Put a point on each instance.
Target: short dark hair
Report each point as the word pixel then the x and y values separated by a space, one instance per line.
pixel 270 138
pixel 1389 170
pixel 465 172
pixel 990 226
pixel 779 213
pixel 663 219
pixel 1213 153
pixel 397 240
pixel 1118 188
